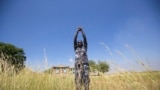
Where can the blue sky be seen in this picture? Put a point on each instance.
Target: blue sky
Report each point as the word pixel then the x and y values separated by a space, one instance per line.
pixel 123 32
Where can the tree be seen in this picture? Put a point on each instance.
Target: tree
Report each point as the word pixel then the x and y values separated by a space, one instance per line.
pixel 103 66
pixel 12 55
pixel 93 65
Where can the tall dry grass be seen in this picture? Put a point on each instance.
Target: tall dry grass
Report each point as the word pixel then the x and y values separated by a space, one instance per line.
pixel 28 80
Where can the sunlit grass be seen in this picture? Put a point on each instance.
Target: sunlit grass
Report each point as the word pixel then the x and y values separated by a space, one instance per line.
pixel 121 80
pixel 28 80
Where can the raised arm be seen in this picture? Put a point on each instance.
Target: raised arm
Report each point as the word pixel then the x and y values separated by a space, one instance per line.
pixel 75 40
pixel 84 39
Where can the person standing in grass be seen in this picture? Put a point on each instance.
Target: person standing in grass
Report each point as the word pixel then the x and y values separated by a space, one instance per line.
pixel 80 48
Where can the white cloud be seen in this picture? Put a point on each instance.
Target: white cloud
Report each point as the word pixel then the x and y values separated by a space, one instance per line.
pixel 71 60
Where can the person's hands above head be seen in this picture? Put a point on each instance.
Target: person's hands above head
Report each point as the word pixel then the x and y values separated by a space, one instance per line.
pixel 79 29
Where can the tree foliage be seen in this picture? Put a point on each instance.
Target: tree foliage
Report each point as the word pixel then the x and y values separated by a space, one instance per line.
pixel 93 65
pixel 12 55
pixel 101 66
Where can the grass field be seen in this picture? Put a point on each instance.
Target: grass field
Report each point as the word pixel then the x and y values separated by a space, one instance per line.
pixel 27 80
